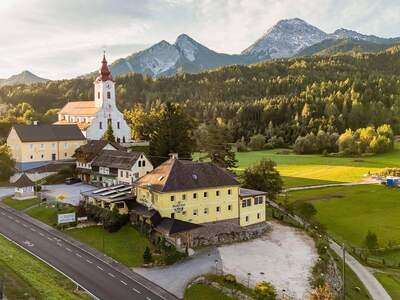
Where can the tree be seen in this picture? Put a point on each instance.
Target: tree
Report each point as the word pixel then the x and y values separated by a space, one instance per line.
pixel 257 142
pixel 322 293
pixel 173 133
pixel 264 177
pixel 371 241
pixel 7 163
pixel 214 141
pixel 147 257
pixel 109 134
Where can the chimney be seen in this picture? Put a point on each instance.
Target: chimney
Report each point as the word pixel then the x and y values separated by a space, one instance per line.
pixel 173 155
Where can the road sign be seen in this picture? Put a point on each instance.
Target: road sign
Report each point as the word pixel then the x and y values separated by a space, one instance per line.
pixel 65 218
pixel 82 219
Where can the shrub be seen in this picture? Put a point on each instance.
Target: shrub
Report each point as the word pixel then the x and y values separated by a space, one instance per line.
pixel 230 278
pixel 322 293
pixel 265 291
pixel 257 142
pixel 147 257
pixel 112 220
pixel 371 241
pixel 241 145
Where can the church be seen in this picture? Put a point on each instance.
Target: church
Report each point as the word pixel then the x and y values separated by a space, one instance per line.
pixel 94 117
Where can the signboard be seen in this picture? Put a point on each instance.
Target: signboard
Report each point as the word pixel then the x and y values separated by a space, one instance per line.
pixel 81 219
pixel 179 207
pixel 66 218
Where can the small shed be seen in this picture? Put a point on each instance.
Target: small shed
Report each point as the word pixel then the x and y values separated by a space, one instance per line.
pixel 24 188
pixel 392 181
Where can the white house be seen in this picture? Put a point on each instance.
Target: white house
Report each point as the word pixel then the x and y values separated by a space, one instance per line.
pixel 93 117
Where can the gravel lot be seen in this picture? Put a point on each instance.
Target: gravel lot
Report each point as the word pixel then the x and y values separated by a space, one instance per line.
pixel 285 256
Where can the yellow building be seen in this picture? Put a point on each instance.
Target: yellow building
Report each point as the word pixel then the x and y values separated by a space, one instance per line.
pixel 196 192
pixel 36 145
pixel 252 207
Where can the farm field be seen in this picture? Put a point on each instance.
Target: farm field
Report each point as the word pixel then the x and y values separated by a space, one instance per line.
pixel 304 170
pixel 25 277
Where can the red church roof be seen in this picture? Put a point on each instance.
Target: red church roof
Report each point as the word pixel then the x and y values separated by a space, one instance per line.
pixel 104 71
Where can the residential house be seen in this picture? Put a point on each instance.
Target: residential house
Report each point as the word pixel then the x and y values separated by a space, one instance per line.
pixel 35 145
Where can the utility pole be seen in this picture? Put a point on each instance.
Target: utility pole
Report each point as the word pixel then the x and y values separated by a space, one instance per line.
pixel 344 271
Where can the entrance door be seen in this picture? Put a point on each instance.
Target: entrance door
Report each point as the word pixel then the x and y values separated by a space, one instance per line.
pixel 53 156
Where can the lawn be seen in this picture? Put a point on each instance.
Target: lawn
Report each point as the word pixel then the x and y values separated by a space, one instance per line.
pixel 204 292
pixel 349 212
pixel 126 246
pixel 391 283
pixel 304 170
pixel 21 204
pixel 47 213
pixel 26 277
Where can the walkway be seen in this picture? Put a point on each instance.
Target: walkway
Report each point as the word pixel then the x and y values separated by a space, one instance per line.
pixel 321 186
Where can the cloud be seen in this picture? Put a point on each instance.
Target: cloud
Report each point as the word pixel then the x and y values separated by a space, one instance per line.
pixel 65 38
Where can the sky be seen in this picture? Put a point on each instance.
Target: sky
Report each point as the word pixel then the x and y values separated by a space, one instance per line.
pixel 58 39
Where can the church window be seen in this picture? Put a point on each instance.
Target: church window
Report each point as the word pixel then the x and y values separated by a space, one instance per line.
pixel 118 125
pixel 100 125
pixel 123 139
pixel 108 95
pixel 98 95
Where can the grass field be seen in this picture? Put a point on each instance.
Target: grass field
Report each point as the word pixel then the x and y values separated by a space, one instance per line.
pixel 21 204
pixel 391 283
pixel 25 277
pixel 349 212
pixel 204 292
pixel 47 213
pixel 126 246
pixel 304 170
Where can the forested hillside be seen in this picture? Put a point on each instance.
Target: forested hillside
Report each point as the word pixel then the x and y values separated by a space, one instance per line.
pixel 285 98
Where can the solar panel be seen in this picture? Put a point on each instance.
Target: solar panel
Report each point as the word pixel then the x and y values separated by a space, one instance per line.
pixel 116 187
pixel 128 188
pixel 108 193
pixel 118 195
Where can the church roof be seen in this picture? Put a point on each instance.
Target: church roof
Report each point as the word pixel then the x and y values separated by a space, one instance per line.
pixel 80 108
pixel 104 72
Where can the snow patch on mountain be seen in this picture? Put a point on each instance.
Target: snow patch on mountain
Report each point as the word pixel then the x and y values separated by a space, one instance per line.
pixel 187 46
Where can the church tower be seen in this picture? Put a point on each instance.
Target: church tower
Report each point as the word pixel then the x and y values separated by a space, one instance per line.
pixel 104 87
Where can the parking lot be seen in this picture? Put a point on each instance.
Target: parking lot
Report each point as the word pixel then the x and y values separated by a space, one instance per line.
pixel 70 193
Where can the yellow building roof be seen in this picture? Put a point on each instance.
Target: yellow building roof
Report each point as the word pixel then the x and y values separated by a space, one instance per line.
pixel 80 108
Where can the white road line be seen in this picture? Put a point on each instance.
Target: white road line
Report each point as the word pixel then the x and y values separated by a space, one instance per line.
pixel 148 298
pixel 100 268
pixel 69 250
pixel 123 282
pixel 33 229
pixel 3 214
pixel 112 275
pixel 17 221
pixel 10 217
pixel 136 291
pixel 49 239
pixel 25 225
pixel 77 254
pixel 89 261
pixel 41 234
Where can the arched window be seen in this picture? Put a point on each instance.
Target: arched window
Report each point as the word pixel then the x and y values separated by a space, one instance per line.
pixel 108 95
pixel 98 95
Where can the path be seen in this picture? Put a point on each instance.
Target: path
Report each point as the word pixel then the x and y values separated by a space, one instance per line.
pixel 373 286
pixel 321 186
pixel 98 274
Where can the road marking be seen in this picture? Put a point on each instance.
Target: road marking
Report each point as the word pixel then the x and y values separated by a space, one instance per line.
pixel 3 214
pixel 77 254
pixel 17 221
pixel 25 225
pixel 123 282
pixel 100 268
pixel 148 298
pixel 112 275
pixel 49 239
pixel 41 234
pixel 69 250
pixel 89 261
pixel 10 217
pixel 136 291
pixel 28 243
pixel 33 229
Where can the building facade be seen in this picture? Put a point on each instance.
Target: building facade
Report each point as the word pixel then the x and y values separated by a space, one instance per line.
pixel 33 146
pixel 94 117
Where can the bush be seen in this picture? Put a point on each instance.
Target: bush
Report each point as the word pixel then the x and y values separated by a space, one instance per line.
pixel 147 257
pixel 230 278
pixel 241 145
pixel 257 142
pixel 265 291
pixel 112 220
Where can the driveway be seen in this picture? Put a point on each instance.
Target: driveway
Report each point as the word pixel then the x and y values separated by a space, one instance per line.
pixel 283 257
pixel 72 193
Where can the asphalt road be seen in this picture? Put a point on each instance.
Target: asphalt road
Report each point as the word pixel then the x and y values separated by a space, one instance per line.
pixel 99 278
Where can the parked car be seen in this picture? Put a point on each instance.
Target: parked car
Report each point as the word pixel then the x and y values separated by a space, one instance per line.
pixel 72 180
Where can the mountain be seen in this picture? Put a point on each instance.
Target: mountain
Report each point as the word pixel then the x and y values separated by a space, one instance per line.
pixel 24 77
pixel 286 39
pixel 343 33
pixel 185 55
pixel 333 46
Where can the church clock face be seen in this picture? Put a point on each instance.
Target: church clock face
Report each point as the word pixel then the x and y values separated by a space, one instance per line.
pixel 108 86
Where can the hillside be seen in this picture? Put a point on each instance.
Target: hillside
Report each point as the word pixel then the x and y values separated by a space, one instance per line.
pixel 24 77
pixel 332 46
pixel 284 98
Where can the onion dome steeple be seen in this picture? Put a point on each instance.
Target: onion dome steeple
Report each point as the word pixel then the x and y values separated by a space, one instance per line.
pixel 104 71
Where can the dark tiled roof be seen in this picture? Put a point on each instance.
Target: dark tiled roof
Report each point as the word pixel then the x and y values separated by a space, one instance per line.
pixel 116 159
pixel 47 133
pixel 248 192
pixel 23 181
pixel 53 166
pixel 92 148
pixel 179 175
pixel 171 226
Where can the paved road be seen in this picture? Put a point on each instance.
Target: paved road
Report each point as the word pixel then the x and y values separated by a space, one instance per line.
pixel 373 286
pixel 102 279
pixel 321 186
